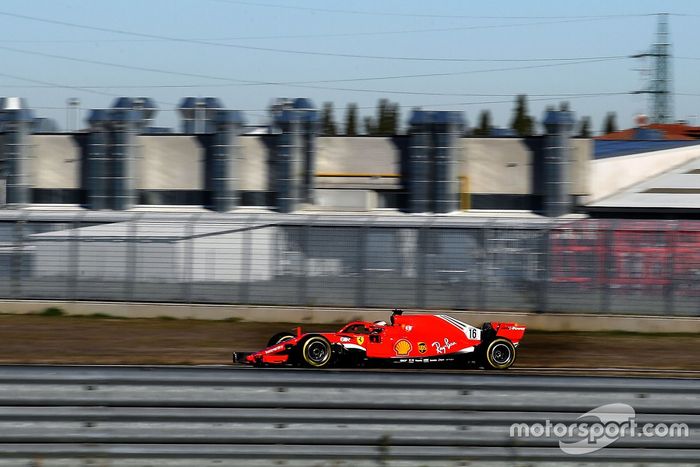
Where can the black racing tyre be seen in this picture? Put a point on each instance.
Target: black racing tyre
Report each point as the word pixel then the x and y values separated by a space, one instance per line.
pixel 280 337
pixel 499 354
pixel 316 352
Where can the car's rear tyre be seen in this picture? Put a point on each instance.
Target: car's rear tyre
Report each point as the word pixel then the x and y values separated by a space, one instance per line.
pixel 279 338
pixel 317 352
pixel 499 354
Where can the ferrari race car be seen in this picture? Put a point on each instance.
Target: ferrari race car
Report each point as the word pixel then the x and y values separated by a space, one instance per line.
pixel 415 339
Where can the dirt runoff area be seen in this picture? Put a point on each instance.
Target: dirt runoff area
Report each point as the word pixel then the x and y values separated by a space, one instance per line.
pixel 100 339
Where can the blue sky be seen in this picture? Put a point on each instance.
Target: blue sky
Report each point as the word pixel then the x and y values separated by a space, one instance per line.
pixel 240 50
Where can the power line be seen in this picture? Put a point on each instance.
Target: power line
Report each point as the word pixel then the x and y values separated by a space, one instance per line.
pixel 248 47
pixel 417 15
pixel 305 36
pixel 310 84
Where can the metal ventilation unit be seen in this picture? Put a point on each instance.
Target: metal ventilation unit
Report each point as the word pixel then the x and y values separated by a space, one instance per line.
pixel 198 113
pixel 430 179
pixel 16 127
pixel 557 154
pixel 97 160
pixel 293 165
pixel 112 151
pixel 221 172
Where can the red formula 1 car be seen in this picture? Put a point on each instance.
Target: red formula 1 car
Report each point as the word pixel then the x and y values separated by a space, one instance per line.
pixel 415 339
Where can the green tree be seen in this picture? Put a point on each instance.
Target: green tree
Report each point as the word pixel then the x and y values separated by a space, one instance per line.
pixel 585 128
pixel 328 127
pixel 395 114
pixel 387 119
pixel 610 125
pixel 370 126
pixel 522 123
pixel 351 120
pixel 484 128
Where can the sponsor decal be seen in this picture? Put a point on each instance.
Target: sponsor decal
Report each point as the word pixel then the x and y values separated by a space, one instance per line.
pixel 360 340
pixel 443 348
pixel 407 327
pixel 274 349
pixel 422 348
pixel 402 347
pixel 345 339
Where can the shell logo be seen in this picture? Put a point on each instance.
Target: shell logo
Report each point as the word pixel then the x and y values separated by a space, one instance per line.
pixel 402 347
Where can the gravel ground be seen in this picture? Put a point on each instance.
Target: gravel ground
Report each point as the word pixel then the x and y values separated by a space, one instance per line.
pixel 104 340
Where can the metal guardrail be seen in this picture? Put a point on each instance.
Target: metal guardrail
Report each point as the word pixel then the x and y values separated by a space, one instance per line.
pixel 115 416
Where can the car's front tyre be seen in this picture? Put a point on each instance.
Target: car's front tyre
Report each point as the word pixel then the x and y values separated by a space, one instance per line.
pixel 316 352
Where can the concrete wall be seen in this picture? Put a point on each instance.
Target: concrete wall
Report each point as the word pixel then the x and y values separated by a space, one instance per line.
pixel 170 163
pixel 252 163
pixel 492 165
pixel 496 165
pixel 610 175
pixel 55 162
pixel 504 165
pixel 357 155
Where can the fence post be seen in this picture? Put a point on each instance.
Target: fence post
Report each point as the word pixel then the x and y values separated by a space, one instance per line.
pixel 17 259
pixel 74 260
pixel 246 261
pixel 302 286
pixel 421 266
pixel 482 263
pixel 362 241
pixel 544 273
pixel 188 261
pixel 670 288
pixel 608 265
pixel 131 255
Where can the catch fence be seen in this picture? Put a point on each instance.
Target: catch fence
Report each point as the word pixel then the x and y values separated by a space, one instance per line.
pixel 445 262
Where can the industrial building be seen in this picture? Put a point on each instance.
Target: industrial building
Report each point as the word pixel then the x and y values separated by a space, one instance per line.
pixel 118 163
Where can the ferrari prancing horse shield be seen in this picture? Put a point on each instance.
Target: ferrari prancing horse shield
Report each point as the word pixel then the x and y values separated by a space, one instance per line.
pixel 360 340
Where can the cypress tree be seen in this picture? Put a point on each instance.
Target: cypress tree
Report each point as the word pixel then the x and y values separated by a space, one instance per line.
pixel 484 128
pixel 351 120
pixel 610 125
pixel 328 127
pixel 522 123
pixel 585 128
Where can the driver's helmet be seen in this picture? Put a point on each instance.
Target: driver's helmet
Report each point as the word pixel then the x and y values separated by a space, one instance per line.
pixel 379 323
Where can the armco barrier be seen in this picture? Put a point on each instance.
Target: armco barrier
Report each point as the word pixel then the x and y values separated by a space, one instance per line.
pixel 118 416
